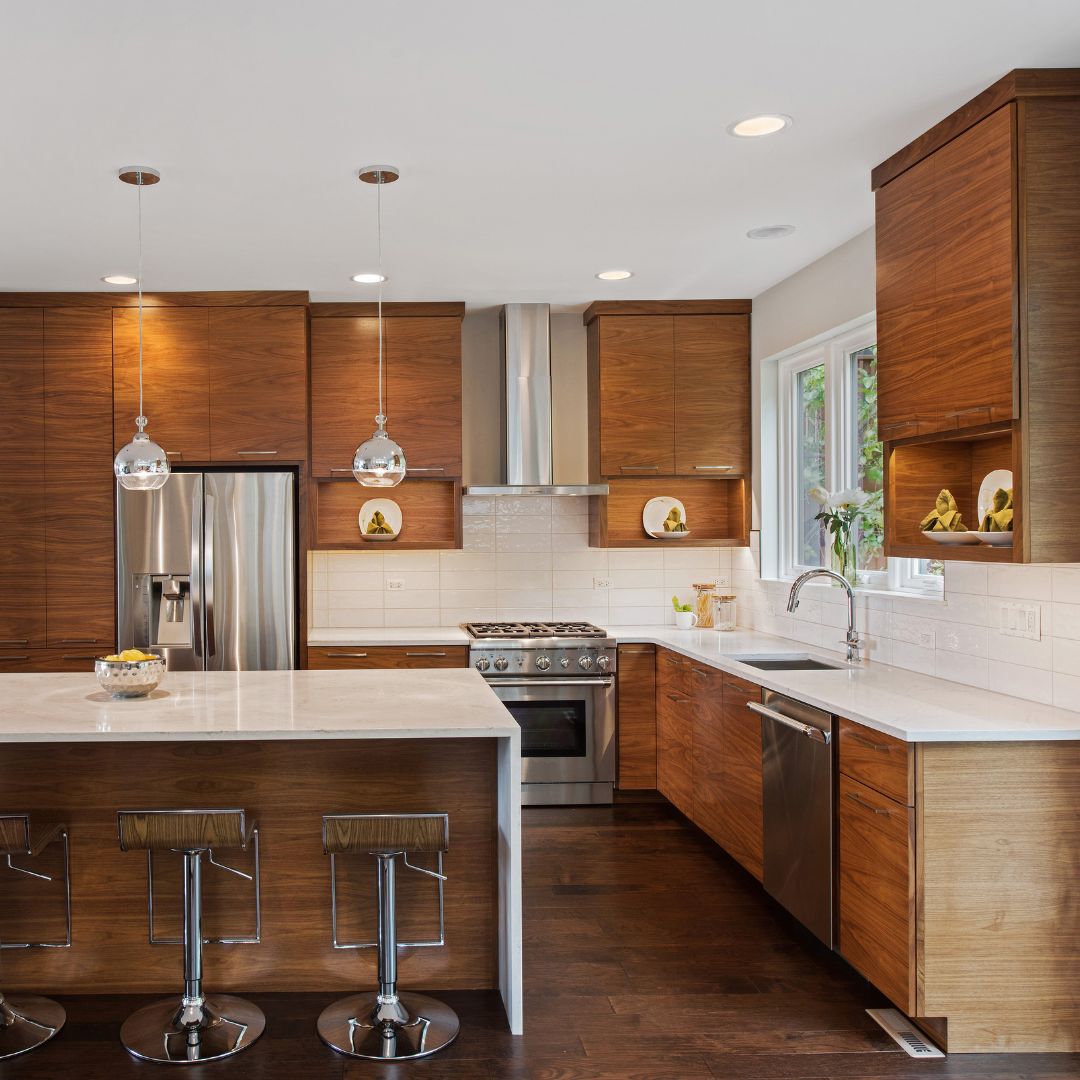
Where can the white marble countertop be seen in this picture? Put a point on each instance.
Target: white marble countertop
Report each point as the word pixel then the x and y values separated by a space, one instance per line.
pixel 905 704
pixel 384 704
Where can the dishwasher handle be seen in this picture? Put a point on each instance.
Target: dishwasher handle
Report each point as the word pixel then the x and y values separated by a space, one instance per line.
pixel 808 730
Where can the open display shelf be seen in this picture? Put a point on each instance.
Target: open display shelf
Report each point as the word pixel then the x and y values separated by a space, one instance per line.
pixel 915 472
pixel 717 511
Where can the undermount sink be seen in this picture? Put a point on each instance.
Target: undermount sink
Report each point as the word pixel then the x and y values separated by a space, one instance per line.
pixel 788 662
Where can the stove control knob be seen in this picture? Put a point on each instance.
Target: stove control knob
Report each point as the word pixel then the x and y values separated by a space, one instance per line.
pixel 603 662
pixel 500 663
pixel 483 664
pixel 543 663
pixel 564 662
pixel 584 662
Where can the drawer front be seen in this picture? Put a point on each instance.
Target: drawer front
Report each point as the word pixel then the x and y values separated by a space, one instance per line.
pixel 362 657
pixel 878 761
pixel 675 750
pixel 636 679
pixel 50 661
pixel 876 890
pixel 672 673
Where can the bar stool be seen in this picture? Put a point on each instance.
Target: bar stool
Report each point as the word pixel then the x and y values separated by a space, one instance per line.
pixel 194 1028
pixel 26 1020
pixel 387 1026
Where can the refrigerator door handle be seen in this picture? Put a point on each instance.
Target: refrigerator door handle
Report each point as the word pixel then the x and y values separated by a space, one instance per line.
pixel 208 574
pixel 197 620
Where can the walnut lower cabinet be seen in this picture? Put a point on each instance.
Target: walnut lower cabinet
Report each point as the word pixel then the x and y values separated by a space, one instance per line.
pixel 388 656
pixel 636 684
pixel 674 730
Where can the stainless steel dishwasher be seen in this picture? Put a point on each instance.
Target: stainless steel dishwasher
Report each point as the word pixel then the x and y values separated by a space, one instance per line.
pixel 797 791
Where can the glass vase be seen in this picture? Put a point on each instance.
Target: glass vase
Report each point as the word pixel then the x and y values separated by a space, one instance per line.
pixel 844 558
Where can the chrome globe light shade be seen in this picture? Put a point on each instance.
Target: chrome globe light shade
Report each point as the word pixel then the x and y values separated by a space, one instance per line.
pixel 379 462
pixel 142 465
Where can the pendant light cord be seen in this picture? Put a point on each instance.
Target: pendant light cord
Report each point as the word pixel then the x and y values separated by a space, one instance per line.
pixel 378 217
pixel 141 421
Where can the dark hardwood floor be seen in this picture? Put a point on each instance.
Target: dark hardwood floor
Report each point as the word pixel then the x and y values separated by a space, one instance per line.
pixel 649 956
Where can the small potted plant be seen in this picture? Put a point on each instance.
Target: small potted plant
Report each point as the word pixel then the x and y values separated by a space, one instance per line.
pixel 841 511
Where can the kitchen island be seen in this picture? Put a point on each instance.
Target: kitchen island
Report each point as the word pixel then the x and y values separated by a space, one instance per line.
pixel 287 746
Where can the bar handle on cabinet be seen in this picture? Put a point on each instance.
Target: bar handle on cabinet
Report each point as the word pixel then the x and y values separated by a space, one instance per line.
pixel 255 453
pixel 174 453
pixel 862 740
pixel 498 681
pixel 715 468
pixel 426 468
pixel 12 659
pixel 346 655
pixel 208 574
pixel 808 730
pixel 15 641
pixel 855 797
pixel 341 470
pixel 639 468
pixel 78 657
pixel 678 700
pixel 425 654
pixel 78 641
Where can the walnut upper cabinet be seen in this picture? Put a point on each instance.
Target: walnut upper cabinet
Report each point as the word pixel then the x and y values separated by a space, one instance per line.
pixel 669 385
pixel 422 384
pixel 978 270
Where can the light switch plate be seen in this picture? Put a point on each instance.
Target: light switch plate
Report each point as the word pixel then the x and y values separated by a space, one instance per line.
pixel 601 583
pixel 395 583
pixel 1018 618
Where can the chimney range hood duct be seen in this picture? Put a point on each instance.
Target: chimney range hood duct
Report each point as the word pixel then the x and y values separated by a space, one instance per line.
pixel 525 334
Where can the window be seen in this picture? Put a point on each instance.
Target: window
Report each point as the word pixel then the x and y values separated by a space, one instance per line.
pixel 827 397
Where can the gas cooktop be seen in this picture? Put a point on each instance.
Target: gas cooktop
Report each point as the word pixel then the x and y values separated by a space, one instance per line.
pixel 510 631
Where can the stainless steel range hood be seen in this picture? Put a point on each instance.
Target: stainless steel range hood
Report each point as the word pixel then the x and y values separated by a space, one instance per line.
pixel 525 335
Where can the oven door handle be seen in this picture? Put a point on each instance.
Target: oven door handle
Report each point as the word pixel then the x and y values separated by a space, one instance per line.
pixel 551 682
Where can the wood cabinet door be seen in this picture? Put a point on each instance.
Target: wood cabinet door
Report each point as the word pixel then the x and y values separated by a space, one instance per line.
pixel 636 679
pixel 176 379
pixel 258 384
pixel 364 657
pixel 877 890
pixel 708 747
pixel 674 731
pixel 741 800
pixel 344 391
pixel 879 761
pixel 637 395
pixel 712 395
pixel 22 388
pixel 974 217
pixel 423 392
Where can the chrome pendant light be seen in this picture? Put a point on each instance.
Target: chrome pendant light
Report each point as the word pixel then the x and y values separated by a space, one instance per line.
pixel 141 465
pixel 379 462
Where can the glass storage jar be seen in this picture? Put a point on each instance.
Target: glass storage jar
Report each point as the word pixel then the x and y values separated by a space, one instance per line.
pixel 724 612
pixel 703 605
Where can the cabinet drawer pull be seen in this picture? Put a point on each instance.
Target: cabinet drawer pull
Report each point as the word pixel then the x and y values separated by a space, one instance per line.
pixel 699 671
pixel 855 797
pixel 715 468
pixel 78 641
pixel 678 700
pixel 350 655
pixel 673 662
pixel 341 470
pixel 12 659
pixel 174 453
pixel 639 468
pixel 425 654
pixel 255 453
pixel 862 740
pixel 78 657
pixel 425 468
pixel 15 641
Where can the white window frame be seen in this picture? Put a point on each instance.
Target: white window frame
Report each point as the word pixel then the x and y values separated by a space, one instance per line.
pixel 833 351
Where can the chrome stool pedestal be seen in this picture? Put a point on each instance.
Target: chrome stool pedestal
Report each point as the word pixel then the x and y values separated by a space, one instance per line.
pixel 194 1027
pixel 387 1026
pixel 27 1020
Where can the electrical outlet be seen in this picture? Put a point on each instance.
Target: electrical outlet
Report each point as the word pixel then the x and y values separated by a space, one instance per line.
pixel 601 583
pixel 723 580
pixel 395 583
pixel 1020 619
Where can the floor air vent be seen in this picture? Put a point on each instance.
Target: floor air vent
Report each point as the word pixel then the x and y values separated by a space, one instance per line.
pixel 914 1043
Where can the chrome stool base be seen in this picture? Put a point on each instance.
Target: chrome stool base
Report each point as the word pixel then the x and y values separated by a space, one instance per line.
pixel 27 1021
pixel 360 1027
pixel 167 1032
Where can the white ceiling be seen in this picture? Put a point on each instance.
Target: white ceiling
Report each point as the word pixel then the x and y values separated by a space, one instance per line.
pixel 539 141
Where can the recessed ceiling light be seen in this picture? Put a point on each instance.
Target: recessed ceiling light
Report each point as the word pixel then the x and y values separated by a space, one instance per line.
pixel 614 275
pixel 753 127
pixel 770 232
pixel 368 279
pixel 119 279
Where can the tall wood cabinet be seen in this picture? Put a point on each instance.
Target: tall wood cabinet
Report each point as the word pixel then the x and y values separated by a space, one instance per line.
pixel 977 273
pixel 669 412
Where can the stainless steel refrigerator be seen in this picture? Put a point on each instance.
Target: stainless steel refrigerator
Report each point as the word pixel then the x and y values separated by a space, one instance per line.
pixel 206 570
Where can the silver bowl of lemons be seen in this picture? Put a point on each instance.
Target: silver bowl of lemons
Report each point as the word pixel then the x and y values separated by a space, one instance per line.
pixel 129 674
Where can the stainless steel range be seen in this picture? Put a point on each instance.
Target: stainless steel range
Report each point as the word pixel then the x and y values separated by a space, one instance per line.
pixel 558 681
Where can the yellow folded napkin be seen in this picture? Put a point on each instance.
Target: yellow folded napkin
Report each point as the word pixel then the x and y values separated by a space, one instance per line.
pixel 945 517
pixel 999 518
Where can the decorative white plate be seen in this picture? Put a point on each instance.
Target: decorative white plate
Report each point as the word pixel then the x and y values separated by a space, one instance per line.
pixel 999 478
pixel 655 514
pixel 953 537
pixel 995 539
pixel 391 513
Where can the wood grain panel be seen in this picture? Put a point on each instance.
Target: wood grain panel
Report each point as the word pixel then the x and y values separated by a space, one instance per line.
pixel 430 512
pixel 423 391
pixel 666 307
pixel 176 379
pixel 344 391
pixel 637 394
pixel 22 556
pixel 70 658
pixel 674 730
pixel 22 389
pixel 877 890
pixel 80 558
pixel 258 384
pixel 360 834
pixel 636 679
pixel 715 511
pixel 142 830
pixel 878 761
pixel 106 301
pixel 998 835
pixel 741 800
pixel 286 787
pixel 363 657
pixel 709 753
pixel 437 309
pixel 712 393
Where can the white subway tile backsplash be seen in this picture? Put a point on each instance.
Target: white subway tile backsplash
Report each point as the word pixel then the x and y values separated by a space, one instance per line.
pixel 533 580
pixel 962 668
pixel 413 617
pixel 965 577
pixel 697 557
pixel 352 580
pixel 590 559
pixel 1024 582
pixel 1066 618
pixel 427 561
pixel 1065 584
pixel 636 559
pixel 523 541
pixel 1022 682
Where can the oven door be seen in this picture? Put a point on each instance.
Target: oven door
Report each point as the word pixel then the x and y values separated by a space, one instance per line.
pixel 567 727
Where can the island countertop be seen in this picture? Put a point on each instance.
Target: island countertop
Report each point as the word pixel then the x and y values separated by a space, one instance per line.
pixel 387 704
